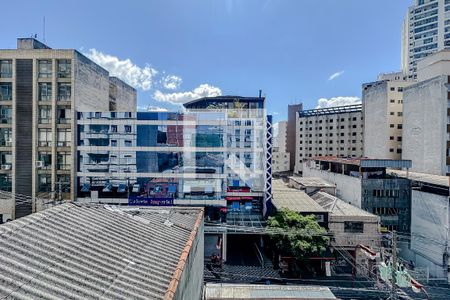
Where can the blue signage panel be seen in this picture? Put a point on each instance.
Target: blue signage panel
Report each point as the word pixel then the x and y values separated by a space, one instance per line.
pixel 144 201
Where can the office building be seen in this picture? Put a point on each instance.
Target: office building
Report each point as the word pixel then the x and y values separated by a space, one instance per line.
pixel 280 158
pixel 333 131
pixel 383 110
pixel 291 134
pixel 364 183
pixel 40 91
pixel 210 155
pixel 426 116
pixel 426 30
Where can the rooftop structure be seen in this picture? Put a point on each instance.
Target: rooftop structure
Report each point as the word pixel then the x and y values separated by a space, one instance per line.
pixel 366 162
pixel 315 182
pixel 432 179
pixel 293 199
pixel 75 251
pixel 230 102
pixel 225 291
pixel 339 207
pixel 330 110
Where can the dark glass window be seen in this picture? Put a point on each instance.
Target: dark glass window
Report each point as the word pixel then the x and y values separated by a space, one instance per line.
pixel 357 227
pixel 5 91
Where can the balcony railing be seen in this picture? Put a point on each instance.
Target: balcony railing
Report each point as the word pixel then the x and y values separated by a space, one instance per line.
pixel 64 144
pixel 44 144
pixel 63 166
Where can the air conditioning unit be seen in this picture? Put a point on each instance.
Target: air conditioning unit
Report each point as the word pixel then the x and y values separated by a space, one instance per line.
pixel 39 164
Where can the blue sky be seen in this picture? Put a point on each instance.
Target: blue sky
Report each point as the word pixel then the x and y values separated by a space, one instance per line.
pixel 179 49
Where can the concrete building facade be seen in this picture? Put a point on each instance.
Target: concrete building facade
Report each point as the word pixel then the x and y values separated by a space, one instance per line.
pixel 365 184
pixel 40 91
pixel 291 133
pixel 281 158
pixel 426 30
pixel 383 112
pixel 334 131
pixel 426 116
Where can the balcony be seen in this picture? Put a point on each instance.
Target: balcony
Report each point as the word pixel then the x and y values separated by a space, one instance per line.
pixel 64 121
pixel 6 166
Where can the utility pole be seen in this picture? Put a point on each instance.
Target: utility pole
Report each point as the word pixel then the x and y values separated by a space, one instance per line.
pixel 394 265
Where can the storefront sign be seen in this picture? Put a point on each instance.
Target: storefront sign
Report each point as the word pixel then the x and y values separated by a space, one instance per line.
pixel 143 201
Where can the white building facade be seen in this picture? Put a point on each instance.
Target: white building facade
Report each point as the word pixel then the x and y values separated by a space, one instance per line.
pixel 280 156
pixel 426 133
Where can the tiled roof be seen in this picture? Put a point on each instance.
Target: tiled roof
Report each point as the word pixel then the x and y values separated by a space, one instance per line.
pixel 74 251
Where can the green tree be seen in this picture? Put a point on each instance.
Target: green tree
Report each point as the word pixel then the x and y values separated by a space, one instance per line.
pixel 297 235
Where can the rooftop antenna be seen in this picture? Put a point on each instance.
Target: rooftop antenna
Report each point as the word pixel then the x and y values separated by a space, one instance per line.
pixel 44 30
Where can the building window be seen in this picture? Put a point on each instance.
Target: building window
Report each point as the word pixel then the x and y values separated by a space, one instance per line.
pixel 399 138
pixel 6 160
pixel 391 150
pixel 44 137
pixel 45 114
pixel 44 182
pixel 5 91
pixel 392 88
pixel 44 160
pixel 63 161
pixel 64 137
pixel 5 68
pixel 399 114
pixel 391 125
pixel 45 91
pixel 400 89
pixel 114 128
pixel 5 137
pixel 113 143
pixel 356 227
pixel 5 114
pixel 45 68
pixel 399 151
pixel 64 115
pixel 392 100
pixel 127 143
pixel 392 113
pixel 64 91
pixel 391 138
pixel 64 68
pixel 127 128
pixel 399 126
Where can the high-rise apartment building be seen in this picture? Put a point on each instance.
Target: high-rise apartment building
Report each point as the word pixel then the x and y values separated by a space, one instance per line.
pixel 426 116
pixel 382 102
pixel 334 131
pixel 426 29
pixel 214 154
pixel 40 91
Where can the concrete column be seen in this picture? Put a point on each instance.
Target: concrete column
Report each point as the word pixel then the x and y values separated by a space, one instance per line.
pixel 54 134
pixel 224 247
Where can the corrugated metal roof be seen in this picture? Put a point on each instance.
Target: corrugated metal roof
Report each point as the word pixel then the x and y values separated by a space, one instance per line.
pixel 223 291
pixel 423 177
pixel 285 197
pixel 338 206
pixel 366 162
pixel 312 181
pixel 92 251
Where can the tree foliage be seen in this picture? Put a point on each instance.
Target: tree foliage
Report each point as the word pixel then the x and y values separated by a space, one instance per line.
pixel 297 235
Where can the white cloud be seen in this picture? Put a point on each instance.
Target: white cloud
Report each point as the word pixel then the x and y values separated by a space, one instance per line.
pixel 151 108
pixel 335 75
pixel 337 101
pixel 138 77
pixel 203 90
pixel 171 82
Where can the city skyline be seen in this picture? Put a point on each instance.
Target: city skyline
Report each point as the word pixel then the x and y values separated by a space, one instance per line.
pixel 182 51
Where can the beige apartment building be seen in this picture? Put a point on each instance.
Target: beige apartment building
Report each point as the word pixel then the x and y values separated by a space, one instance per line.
pixel 426 111
pixel 333 131
pixel 382 102
pixel 280 157
pixel 41 89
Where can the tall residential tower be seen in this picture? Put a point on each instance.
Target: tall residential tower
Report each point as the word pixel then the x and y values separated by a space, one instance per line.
pixel 426 29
